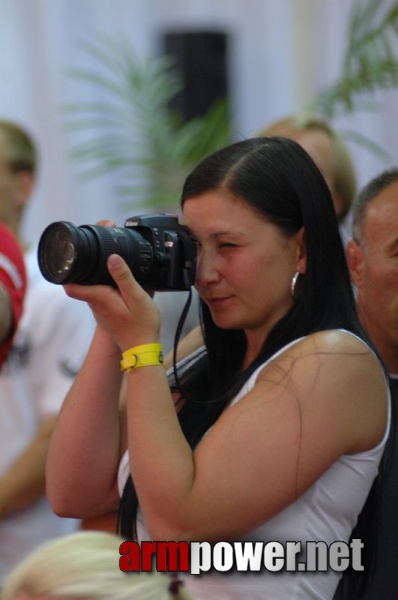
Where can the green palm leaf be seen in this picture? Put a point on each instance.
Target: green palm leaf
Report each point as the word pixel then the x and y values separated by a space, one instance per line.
pixel 130 128
pixel 369 62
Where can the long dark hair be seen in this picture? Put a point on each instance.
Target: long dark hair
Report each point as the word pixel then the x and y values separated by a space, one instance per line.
pixel 278 178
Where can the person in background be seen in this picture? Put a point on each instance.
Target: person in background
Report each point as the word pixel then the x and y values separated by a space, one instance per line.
pixel 331 155
pixel 48 348
pixel 85 565
pixel 276 428
pixel 372 256
pixel 12 284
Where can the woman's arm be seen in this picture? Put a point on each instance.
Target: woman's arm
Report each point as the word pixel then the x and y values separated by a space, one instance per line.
pixel 187 345
pixel 83 457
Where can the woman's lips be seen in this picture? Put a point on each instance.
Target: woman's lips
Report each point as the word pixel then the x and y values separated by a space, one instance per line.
pixel 217 300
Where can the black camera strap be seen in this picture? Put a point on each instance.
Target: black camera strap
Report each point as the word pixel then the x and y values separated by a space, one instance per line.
pixel 189 260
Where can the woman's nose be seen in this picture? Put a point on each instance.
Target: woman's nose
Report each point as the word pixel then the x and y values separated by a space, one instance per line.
pixel 206 268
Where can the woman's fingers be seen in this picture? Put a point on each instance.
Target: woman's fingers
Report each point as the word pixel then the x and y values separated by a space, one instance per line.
pixel 126 311
pixel 128 287
pixel 128 290
pixel 106 223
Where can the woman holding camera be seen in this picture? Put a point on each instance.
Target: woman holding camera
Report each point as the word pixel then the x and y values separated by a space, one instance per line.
pixel 275 428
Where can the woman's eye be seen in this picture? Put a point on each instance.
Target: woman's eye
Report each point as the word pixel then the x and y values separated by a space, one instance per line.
pixel 227 245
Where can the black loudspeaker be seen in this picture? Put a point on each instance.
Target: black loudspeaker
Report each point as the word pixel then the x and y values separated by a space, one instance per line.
pixel 200 58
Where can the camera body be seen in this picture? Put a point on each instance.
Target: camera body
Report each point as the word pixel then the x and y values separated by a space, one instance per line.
pixel 159 251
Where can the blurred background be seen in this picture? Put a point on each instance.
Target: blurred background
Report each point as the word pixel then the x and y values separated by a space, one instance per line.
pixel 268 59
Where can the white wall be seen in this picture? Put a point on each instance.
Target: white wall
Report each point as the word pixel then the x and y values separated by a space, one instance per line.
pixel 282 52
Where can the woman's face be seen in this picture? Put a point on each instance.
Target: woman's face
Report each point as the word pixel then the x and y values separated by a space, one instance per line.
pixel 245 264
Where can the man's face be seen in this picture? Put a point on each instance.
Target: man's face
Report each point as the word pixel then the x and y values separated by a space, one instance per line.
pixel 374 270
pixel 8 184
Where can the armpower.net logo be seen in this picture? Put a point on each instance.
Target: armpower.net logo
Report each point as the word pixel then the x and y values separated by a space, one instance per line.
pixel 200 557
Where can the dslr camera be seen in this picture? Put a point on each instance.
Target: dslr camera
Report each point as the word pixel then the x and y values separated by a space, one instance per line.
pixel 158 249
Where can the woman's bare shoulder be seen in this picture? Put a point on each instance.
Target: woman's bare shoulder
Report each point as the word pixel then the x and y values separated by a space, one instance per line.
pixel 332 354
pixel 336 373
pixel 330 344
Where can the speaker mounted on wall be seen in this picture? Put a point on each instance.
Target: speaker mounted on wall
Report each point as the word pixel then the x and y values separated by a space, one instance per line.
pixel 201 61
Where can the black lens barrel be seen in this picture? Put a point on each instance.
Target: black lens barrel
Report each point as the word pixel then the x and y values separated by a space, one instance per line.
pixel 70 254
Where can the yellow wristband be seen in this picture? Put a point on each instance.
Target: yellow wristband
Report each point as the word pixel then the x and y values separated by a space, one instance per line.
pixel 146 355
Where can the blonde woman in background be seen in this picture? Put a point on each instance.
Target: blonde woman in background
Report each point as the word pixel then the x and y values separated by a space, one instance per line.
pixel 85 564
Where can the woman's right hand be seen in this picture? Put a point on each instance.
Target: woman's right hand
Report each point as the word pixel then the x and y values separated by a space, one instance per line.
pixel 127 312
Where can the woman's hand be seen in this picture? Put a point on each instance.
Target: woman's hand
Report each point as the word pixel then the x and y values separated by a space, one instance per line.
pixel 128 312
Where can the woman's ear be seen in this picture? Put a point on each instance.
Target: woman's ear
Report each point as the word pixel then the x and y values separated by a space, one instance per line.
pixel 301 258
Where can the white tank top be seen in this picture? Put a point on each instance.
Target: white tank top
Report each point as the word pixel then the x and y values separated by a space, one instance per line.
pixel 327 512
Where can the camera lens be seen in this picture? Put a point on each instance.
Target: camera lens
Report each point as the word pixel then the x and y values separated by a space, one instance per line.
pixel 58 250
pixel 70 254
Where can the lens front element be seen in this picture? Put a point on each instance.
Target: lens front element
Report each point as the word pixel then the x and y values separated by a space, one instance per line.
pixel 57 252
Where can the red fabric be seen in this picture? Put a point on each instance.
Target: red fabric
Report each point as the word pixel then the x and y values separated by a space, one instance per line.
pixel 13 277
